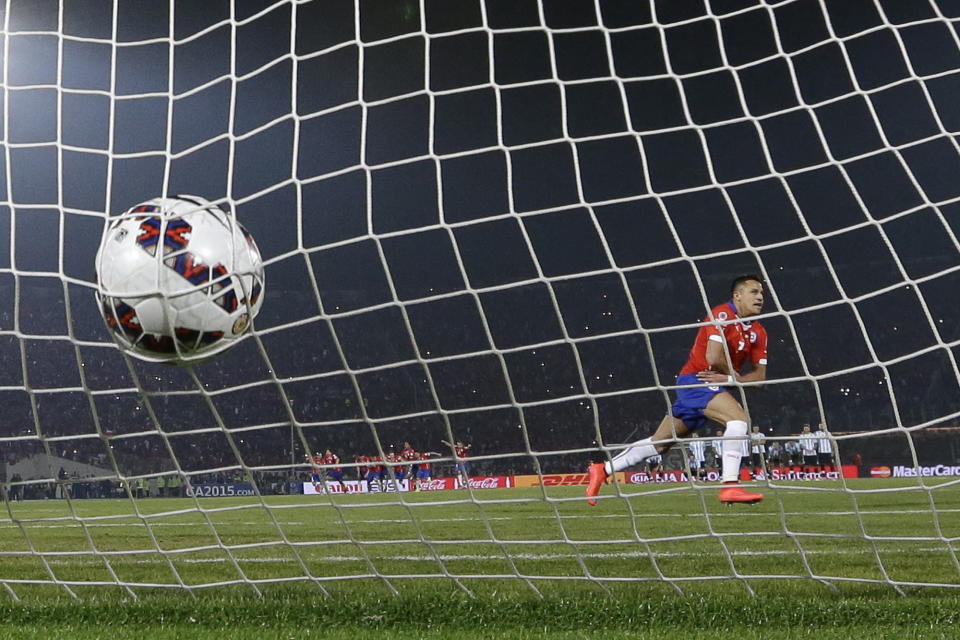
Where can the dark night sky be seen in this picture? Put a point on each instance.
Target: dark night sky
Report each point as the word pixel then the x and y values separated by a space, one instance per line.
pixel 391 165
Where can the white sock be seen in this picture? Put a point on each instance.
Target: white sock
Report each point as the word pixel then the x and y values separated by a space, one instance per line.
pixel 634 454
pixel 732 443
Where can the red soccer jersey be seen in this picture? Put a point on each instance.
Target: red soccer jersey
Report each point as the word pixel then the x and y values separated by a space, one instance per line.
pixel 376 466
pixel 331 460
pixel 360 460
pixel 424 461
pixel 461 451
pixel 409 454
pixel 745 339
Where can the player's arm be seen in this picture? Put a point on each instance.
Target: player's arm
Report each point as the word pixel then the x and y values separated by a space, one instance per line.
pixel 717 357
pixel 720 372
pixel 757 374
pixel 758 359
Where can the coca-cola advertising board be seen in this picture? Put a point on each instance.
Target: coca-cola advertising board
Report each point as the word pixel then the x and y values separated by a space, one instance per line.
pixel 438 484
pixel 434 484
pixel 488 482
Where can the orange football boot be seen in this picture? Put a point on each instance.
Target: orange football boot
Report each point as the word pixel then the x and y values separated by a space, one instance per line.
pixel 731 493
pixel 597 475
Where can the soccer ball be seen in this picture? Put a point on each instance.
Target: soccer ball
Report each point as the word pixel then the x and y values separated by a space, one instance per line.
pixel 178 280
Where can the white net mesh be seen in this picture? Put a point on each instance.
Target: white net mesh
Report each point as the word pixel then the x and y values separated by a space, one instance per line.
pixel 495 222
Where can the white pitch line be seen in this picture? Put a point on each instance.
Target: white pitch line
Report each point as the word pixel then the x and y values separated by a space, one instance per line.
pixel 515 556
pixel 72 524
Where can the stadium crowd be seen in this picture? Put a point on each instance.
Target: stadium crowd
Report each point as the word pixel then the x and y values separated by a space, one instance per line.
pixel 83 404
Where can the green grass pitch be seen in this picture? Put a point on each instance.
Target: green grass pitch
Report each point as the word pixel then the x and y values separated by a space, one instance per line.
pixel 655 561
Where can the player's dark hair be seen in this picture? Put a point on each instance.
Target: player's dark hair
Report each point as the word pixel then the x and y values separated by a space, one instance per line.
pixel 739 280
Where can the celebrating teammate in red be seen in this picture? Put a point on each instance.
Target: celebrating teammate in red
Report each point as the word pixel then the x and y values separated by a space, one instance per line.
pixel 721 350
pixel 408 454
pixel 362 467
pixel 394 472
pixel 423 469
pixel 375 474
pixel 461 451
pixel 331 462
pixel 315 476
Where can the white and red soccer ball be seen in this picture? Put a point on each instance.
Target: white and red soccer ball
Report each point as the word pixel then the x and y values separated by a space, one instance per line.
pixel 178 280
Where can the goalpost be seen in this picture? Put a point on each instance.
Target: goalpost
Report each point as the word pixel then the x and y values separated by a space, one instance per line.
pixel 495 222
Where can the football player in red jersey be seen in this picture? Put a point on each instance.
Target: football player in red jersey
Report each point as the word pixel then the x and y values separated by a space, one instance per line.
pixel 376 473
pixel 461 451
pixel 721 350
pixel 423 469
pixel 409 455
pixel 394 471
pixel 362 467
pixel 331 463
pixel 315 475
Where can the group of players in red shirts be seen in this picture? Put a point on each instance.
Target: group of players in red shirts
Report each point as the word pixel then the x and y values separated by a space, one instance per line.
pixel 409 464
pixel 730 349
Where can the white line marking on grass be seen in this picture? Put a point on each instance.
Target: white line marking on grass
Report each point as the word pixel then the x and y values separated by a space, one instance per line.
pixel 61 561
pixel 95 524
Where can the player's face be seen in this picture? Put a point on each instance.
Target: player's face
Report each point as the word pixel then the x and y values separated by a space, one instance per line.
pixel 748 298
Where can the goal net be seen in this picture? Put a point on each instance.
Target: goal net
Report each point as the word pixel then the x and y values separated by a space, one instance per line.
pixel 496 223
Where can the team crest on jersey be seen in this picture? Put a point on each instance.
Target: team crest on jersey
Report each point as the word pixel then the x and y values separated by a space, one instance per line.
pixel 753 336
pixel 722 316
